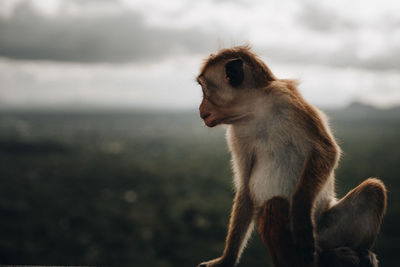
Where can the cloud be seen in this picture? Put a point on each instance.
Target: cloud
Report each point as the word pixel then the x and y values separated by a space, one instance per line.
pixel 340 52
pixel 360 34
pixel 59 84
pixel 348 54
pixel 117 37
pixel 322 19
pixel 300 32
pixel 157 85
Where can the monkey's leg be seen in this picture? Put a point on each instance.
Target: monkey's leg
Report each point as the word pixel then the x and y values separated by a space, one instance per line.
pixel 355 220
pixel 274 230
pixel 275 233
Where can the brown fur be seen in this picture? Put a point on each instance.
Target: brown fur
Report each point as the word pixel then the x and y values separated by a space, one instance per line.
pixel 365 204
pixel 275 233
pixel 273 226
pixel 271 120
pixel 242 208
pixel 262 73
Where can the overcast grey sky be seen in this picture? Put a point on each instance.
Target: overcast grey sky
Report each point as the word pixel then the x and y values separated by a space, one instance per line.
pixel 146 53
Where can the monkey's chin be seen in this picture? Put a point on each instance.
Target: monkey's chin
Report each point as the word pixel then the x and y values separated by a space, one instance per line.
pixel 211 123
pixel 213 120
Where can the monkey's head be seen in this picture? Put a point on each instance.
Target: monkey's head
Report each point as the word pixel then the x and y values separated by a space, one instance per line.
pixel 231 81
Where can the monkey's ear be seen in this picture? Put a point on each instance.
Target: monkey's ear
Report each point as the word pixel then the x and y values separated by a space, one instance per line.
pixel 234 72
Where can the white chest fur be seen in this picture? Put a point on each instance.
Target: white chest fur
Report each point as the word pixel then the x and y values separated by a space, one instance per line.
pixel 278 154
pixel 271 178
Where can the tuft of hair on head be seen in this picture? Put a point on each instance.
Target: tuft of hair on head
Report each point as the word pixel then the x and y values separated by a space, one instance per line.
pixel 261 72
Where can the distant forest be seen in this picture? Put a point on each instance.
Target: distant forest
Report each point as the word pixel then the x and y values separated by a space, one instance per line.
pixel 152 188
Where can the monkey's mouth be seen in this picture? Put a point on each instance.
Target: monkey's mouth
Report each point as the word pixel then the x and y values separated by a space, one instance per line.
pixel 212 121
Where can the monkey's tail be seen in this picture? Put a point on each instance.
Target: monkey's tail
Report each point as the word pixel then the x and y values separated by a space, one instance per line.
pixel 347 257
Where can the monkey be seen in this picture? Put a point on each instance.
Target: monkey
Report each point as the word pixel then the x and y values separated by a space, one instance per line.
pixel 275 233
pixel 282 147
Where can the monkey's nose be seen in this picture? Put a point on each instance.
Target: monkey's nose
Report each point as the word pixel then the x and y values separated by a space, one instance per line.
pixel 205 115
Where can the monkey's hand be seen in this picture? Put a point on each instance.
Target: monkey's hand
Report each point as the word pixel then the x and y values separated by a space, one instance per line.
pixel 303 238
pixel 218 262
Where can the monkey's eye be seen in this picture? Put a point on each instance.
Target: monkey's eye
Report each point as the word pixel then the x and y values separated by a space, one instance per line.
pixel 205 93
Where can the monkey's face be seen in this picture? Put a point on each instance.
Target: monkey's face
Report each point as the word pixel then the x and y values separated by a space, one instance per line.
pixel 224 93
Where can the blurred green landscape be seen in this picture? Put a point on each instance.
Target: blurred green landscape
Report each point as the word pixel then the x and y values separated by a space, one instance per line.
pixel 153 188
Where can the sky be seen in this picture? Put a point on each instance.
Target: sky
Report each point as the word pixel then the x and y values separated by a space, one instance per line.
pixel 147 53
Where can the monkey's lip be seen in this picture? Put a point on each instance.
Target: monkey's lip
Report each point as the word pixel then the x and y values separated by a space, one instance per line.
pixel 211 121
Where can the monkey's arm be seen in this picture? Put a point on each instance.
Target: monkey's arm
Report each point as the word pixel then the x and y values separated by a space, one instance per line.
pixel 240 226
pixel 316 170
